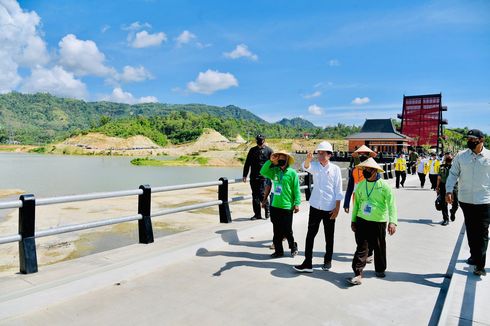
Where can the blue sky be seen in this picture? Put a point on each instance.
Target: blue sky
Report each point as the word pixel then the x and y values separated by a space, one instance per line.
pixel 326 61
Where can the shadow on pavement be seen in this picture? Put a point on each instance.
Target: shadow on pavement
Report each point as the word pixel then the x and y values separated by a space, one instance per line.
pixel 425 221
pixel 283 270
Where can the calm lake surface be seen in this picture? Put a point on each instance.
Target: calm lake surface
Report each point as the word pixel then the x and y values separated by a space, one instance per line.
pixel 55 175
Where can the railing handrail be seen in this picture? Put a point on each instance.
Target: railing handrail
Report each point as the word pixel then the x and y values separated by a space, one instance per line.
pixel 27 204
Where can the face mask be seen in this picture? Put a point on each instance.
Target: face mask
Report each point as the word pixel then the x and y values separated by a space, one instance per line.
pixel 362 158
pixel 366 174
pixel 472 144
pixel 281 162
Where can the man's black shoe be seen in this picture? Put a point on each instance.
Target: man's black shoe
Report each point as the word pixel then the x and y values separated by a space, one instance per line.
pixel 276 255
pixel 267 215
pixel 304 268
pixel 480 271
pixel 294 250
pixel 445 222
pixel 453 217
pixel 255 217
pixel 327 265
pixel 470 261
pixel 380 274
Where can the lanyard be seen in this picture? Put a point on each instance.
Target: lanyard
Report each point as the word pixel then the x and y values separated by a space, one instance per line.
pixel 370 192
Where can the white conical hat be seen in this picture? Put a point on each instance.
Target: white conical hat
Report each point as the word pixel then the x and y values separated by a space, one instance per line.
pixel 364 149
pixel 370 163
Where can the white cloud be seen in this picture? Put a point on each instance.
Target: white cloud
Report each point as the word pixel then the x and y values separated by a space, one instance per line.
pixel 134 74
pixel 361 100
pixel 241 50
pixel 334 63
pixel 315 110
pixel 55 81
pixel 185 37
pixel 120 96
pixel 136 26
pixel 211 81
pixel 144 39
pixel 21 43
pixel 313 95
pixel 82 57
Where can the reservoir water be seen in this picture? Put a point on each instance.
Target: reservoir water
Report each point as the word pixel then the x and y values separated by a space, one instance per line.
pixel 55 175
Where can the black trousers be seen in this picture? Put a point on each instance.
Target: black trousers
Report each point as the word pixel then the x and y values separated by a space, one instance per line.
pixel 433 181
pixel 454 207
pixel 477 219
pixel 422 179
pixel 369 235
pixel 399 174
pixel 258 187
pixel 282 225
pixel 314 220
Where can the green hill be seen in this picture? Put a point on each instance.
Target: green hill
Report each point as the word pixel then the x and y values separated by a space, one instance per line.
pixel 43 118
pixel 296 123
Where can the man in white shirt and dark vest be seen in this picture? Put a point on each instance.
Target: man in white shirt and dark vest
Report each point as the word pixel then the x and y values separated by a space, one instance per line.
pixel 472 168
pixel 324 204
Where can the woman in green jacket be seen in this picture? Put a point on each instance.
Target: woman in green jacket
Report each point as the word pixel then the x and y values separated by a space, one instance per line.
pixel 286 200
pixel 374 208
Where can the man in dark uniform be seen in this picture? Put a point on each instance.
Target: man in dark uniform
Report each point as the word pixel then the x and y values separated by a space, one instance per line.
pixel 256 157
pixel 441 190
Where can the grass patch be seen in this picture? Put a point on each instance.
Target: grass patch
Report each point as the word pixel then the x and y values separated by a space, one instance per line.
pixel 182 160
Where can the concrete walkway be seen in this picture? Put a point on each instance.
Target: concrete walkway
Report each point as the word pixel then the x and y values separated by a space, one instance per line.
pixel 224 276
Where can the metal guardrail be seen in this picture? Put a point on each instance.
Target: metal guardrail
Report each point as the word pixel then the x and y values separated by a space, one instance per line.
pixel 27 204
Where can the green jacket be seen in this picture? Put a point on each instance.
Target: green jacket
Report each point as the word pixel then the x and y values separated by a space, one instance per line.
pixel 379 206
pixel 287 181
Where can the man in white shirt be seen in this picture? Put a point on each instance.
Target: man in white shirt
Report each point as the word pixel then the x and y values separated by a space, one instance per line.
pixel 422 170
pixel 324 204
pixel 472 168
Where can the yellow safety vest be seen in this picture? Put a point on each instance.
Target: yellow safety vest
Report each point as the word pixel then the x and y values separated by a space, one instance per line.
pixel 401 164
pixel 436 163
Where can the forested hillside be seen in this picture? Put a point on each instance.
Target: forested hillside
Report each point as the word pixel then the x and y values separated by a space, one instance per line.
pixel 43 118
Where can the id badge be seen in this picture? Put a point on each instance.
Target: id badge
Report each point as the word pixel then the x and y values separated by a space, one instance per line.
pixel 367 209
pixel 278 190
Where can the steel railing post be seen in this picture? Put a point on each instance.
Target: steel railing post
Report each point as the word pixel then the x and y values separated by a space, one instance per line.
pixel 385 174
pixel 145 229
pixel 307 182
pixel 224 207
pixel 27 225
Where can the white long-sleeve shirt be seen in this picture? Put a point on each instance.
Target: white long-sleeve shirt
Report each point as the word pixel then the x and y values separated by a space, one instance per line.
pixel 327 185
pixel 473 172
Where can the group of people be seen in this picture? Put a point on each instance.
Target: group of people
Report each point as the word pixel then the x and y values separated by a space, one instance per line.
pixel 374 210
pixel 373 213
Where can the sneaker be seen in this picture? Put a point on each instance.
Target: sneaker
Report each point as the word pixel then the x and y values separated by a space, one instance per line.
pixel 357 280
pixel 255 217
pixel 453 217
pixel 276 255
pixel 479 271
pixel 470 261
pixel 272 247
pixel 445 222
pixel 380 274
pixel 294 251
pixel 370 259
pixel 327 265
pixel 304 268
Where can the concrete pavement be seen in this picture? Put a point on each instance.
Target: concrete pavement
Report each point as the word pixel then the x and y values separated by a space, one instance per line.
pixel 223 275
